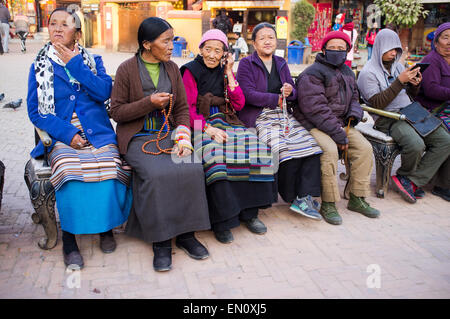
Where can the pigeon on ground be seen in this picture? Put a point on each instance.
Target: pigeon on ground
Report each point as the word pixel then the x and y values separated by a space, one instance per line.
pixel 13 105
pixel 2 96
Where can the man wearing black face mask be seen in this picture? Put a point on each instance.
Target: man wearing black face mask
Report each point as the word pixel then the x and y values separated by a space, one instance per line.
pixel 327 99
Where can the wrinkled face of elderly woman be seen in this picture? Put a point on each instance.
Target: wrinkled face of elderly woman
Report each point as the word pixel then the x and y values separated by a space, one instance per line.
pixel 443 44
pixel 161 48
pixel 61 29
pixel 265 42
pixel 212 52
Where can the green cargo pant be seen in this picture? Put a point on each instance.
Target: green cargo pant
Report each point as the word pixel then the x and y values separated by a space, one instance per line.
pixel 416 165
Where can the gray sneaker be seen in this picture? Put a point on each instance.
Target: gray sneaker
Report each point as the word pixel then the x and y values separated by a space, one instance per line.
pixel 306 206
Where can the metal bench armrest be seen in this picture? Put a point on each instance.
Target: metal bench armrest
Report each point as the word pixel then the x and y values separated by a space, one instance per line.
pixel 44 137
pixel 392 115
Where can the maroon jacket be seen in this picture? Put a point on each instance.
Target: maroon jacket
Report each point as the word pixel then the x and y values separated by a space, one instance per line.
pixel 327 97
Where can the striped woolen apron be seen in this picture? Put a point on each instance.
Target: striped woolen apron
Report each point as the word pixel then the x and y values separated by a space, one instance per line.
pixel 242 158
pixel 89 164
pixel 297 144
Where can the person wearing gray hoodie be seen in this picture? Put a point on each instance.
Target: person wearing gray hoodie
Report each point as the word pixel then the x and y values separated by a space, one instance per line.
pixel 384 83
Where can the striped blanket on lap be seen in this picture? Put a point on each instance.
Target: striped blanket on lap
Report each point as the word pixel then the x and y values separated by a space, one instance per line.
pixel 242 158
pixel 88 164
pixel 297 144
pixel 444 115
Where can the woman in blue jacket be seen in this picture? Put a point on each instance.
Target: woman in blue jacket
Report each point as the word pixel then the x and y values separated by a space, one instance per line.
pixel 67 88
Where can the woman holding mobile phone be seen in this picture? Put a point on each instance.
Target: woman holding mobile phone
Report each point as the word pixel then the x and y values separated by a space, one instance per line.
pixel 238 168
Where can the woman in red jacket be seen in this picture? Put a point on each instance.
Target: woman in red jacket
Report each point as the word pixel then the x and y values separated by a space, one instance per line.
pixel 370 39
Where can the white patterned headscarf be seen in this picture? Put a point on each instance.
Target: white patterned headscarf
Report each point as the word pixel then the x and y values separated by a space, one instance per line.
pixel 45 75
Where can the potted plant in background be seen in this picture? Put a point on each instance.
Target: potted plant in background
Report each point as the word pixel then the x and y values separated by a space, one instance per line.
pixel 402 15
pixel 302 17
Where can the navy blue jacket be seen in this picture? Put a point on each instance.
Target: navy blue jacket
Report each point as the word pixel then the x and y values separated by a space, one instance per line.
pixel 86 100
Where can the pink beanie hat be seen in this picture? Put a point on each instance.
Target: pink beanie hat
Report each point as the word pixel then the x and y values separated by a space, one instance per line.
pixel 214 34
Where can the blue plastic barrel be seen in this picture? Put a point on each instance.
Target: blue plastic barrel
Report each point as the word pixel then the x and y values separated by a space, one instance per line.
pixel 179 44
pixel 295 52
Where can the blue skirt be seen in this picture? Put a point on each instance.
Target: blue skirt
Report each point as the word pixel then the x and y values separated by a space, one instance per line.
pixel 92 208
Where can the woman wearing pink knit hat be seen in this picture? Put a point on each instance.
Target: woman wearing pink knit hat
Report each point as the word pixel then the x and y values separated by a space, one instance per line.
pixel 238 168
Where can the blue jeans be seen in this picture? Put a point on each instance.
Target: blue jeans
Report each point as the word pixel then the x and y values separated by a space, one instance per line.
pixel 4 29
pixel 237 53
pixel 369 52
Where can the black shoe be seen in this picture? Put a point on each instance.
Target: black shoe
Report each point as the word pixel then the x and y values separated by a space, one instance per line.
pixel 192 247
pixel 225 237
pixel 74 260
pixel 107 243
pixel 162 259
pixel 256 226
pixel 444 193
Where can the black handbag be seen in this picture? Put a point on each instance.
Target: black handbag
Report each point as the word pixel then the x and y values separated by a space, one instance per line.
pixel 420 119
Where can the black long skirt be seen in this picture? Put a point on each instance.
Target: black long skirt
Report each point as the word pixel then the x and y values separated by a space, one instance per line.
pixel 299 177
pixel 230 202
pixel 169 198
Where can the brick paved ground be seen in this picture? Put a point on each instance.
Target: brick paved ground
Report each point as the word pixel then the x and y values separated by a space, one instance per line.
pixel 297 258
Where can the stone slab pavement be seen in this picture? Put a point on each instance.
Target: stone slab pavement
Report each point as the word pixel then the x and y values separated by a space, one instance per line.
pixel 403 254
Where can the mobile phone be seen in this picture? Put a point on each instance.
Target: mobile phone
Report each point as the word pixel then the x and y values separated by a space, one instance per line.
pixel 422 66
pixel 224 59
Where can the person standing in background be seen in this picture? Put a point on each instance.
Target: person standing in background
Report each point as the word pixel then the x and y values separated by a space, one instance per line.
pixel 240 47
pixel 349 29
pixel 5 17
pixel 370 39
pixel 1 46
pixel 222 22
pixel 21 25
pixel 338 22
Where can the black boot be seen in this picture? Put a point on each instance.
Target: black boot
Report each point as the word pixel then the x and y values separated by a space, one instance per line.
pixel 162 259
pixel 444 193
pixel 191 246
pixel 71 253
pixel 107 242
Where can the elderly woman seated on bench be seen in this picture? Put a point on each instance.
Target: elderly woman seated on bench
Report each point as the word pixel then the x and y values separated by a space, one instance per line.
pixel 67 88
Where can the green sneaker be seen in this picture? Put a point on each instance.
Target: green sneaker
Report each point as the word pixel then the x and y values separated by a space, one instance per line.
pixel 358 204
pixel 329 212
